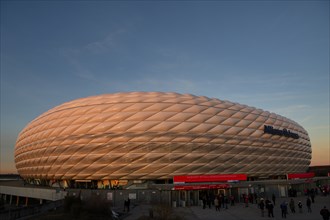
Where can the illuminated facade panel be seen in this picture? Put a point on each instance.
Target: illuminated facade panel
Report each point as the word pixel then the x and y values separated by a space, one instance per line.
pixel 155 135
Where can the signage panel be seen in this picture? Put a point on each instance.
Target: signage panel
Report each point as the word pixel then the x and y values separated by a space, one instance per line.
pixel 300 175
pixel 203 186
pixel 209 178
pixel 109 196
pixel 132 195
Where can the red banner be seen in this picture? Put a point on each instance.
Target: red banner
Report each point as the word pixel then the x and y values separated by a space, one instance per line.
pixel 300 175
pixel 204 186
pixel 209 178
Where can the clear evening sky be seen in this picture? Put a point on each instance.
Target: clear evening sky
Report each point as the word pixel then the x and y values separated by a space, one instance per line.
pixel 273 55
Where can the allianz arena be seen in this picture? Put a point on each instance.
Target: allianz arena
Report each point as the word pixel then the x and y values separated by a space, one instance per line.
pixel 156 135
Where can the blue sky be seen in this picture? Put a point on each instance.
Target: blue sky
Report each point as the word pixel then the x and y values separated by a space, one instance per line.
pixel 272 55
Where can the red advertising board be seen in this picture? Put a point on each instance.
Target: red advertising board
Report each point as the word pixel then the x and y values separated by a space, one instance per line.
pixel 300 175
pixel 209 178
pixel 203 186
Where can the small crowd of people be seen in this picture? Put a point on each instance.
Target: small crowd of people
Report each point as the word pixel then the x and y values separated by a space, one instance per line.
pixel 325 190
pixel 267 205
pixel 284 206
pixel 218 201
pixel 312 192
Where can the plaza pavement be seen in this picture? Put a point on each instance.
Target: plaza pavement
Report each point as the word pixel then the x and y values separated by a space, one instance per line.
pixel 239 211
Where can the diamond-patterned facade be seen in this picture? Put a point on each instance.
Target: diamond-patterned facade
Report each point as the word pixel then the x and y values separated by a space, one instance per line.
pixel 155 135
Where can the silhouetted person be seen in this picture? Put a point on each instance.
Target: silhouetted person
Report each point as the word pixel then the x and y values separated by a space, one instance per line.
pixel 309 204
pixel 128 204
pixel 262 207
pixel 226 201
pixel 300 206
pixel 313 197
pixel 216 204
pixel 246 201
pixel 125 205
pixel 292 206
pixel 204 202
pixel 270 209
pixel 209 202
pixel 232 200
pixel 325 213
pixel 284 209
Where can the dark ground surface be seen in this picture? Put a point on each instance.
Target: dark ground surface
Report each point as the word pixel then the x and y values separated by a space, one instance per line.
pixel 239 211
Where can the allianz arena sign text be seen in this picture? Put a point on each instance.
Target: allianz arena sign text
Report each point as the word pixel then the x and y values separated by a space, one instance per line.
pixel 287 133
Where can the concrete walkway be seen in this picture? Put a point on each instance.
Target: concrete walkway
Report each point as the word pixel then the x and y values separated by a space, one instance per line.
pixel 239 211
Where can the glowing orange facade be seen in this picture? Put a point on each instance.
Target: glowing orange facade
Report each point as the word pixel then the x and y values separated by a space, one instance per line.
pixel 154 135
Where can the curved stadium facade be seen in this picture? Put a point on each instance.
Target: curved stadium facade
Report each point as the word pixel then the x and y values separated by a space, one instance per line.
pixel 155 135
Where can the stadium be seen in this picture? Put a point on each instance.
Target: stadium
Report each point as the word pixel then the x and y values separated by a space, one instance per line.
pixel 156 136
